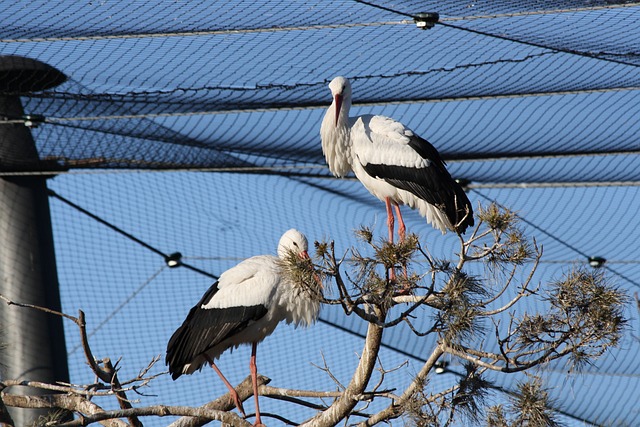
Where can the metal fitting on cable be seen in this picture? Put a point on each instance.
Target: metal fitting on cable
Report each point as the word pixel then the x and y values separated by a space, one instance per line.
pixel 426 20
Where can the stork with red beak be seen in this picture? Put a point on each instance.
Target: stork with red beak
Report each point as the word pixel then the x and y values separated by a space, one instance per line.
pixel 243 307
pixel 394 164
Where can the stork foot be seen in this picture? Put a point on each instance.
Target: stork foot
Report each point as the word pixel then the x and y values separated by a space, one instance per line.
pixel 401 284
pixel 404 291
pixel 238 402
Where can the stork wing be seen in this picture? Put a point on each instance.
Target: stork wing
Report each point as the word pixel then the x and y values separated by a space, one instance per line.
pixel 205 327
pixel 389 151
pixel 241 295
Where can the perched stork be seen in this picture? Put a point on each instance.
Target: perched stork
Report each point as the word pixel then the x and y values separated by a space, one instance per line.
pixel 243 307
pixel 393 163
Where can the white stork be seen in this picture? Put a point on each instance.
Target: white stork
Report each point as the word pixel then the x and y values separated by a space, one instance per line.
pixel 243 307
pixel 393 163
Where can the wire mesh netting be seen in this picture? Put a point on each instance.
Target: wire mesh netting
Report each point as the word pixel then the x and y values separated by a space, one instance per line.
pixel 194 127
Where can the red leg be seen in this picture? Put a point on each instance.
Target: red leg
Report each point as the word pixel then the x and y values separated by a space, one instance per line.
pixel 401 228
pixel 390 220
pixel 390 223
pixel 254 377
pixel 402 232
pixel 232 391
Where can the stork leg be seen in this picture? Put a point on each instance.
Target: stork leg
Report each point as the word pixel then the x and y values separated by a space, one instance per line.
pixel 254 377
pixel 232 391
pixel 390 219
pixel 390 223
pixel 402 230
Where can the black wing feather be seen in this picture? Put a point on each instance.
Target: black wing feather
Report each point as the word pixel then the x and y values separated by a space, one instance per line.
pixel 432 184
pixel 205 328
pixel 427 151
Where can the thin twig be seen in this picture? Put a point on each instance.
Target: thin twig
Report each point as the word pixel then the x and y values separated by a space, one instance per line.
pixel 37 307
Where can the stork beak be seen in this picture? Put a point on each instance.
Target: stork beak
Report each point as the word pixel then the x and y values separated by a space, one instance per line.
pixel 304 255
pixel 338 101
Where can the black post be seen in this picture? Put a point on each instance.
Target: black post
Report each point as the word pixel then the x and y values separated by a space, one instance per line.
pixel 33 342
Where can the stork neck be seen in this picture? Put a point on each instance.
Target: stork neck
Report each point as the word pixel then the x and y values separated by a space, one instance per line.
pixel 342 132
pixel 342 127
pixel 336 141
pixel 343 120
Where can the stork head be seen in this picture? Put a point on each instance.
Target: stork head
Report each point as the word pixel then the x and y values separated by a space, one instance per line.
pixel 301 272
pixel 293 241
pixel 341 91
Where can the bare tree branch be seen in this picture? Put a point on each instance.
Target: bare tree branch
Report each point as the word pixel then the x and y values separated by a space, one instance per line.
pixel 343 406
pixel 108 374
pixel 275 392
pixel 396 408
pixel 37 307
pixel 5 416
pixel 160 411
pixel 73 403
pixel 223 403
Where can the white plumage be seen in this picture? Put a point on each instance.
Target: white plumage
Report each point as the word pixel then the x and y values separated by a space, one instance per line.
pixel 394 164
pixel 243 307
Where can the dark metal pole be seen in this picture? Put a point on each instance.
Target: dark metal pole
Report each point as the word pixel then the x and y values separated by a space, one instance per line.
pixel 34 344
